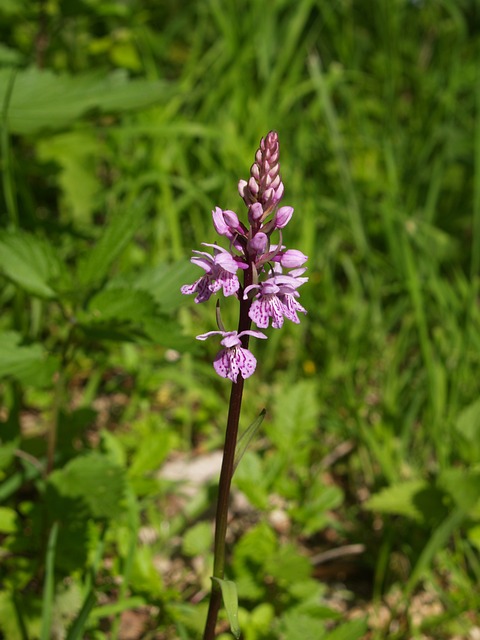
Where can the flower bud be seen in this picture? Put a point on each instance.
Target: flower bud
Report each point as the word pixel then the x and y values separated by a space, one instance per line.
pixel 292 258
pixel 255 212
pixel 283 216
pixel 259 243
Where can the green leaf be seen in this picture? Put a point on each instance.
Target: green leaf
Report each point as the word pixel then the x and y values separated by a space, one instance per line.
pixel 43 100
pixel 437 541
pixel 151 452
pixel 121 229
pixel 230 601
pixel 94 478
pixel 29 262
pixel 121 304
pixel 463 485
pixel 299 626
pixel 351 630
pixel 197 539
pixel 163 282
pixel 8 520
pixel 251 480
pixel 288 567
pixel 314 511
pixel 29 364
pixel 296 417
pixel 468 427
pixel 246 437
pixel 398 499
pixel 77 154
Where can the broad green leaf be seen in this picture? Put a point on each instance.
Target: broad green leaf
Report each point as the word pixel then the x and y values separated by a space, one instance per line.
pixel 300 626
pixel 8 520
pixel 230 601
pixel 151 452
pixel 29 262
pixel 463 485
pixel 251 480
pixel 7 451
pixel 287 566
pixel 77 154
pixel 314 511
pixel 295 419
pixel 120 230
pixel 197 539
pixel 398 499
pixel 144 577
pixel 163 282
pixel 43 100
pixel 96 480
pixel 29 364
pixel 468 422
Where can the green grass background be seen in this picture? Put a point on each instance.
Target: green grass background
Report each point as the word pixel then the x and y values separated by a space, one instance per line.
pixel 376 107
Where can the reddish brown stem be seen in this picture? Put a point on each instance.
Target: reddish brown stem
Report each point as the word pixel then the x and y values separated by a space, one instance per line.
pixel 226 473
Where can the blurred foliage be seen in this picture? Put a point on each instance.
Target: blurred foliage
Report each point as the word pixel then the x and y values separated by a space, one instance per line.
pixel 123 123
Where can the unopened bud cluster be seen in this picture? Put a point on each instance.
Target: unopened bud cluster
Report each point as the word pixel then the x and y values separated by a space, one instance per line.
pixel 275 272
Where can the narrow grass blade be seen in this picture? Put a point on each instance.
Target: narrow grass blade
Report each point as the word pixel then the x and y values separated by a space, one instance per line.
pixel 436 542
pixel 76 630
pixel 247 437
pixel 49 584
pixel 321 87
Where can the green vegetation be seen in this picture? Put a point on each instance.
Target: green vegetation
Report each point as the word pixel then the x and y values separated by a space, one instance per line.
pixel 123 123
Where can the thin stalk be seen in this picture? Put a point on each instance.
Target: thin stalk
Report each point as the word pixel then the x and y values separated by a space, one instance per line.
pixel 52 430
pixel 49 584
pixel 7 170
pixel 226 474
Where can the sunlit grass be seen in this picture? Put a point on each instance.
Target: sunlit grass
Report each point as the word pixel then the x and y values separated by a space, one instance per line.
pixel 376 112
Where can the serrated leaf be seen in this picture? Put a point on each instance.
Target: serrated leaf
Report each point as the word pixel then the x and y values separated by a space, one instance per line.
pixel 76 153
pixel 120 230
pixel 463 485
pixel 299 626
pixel 29 364
pixel 163 282
pixel 230 601
pixel 296 417
pixel 43 100
pixel 95 479
pixel 287 566
pixel 399 499
pixel 30 262
pixel 468 422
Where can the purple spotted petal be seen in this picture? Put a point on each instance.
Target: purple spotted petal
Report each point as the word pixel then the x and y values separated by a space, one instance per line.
pixel 292 306
pixel 266 307
pixel 201 287
pixel 236 360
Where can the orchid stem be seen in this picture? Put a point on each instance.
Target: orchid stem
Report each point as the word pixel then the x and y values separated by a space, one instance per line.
pixel 226 473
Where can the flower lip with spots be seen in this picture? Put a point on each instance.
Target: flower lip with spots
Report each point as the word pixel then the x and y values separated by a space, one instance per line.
pixel 234 359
